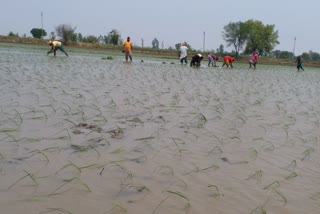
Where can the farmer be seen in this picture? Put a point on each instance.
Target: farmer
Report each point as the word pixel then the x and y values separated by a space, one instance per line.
pixel 212 59
pixel 228 60
pixel 127 48
pixel 183 53
pixel 299 63
pixel 196 60
pixel 55 45
pixel 254 60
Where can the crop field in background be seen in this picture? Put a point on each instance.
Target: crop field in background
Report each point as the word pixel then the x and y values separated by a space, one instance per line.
pixel 83 134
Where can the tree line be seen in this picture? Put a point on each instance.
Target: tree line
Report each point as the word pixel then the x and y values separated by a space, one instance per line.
pixel 244 37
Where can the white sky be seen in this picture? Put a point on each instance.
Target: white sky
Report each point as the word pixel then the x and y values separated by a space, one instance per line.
pixel 170 22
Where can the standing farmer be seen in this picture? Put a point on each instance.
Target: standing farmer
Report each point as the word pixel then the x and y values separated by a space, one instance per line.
pixel 299 63
pixel 127 48
pixel 183 53
pixel 55 45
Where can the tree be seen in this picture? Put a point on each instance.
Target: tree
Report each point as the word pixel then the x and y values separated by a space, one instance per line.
pixel 114 37
pixel 65 31
pixel 12 34
pixel 236 34
pixel 38 33
pixel 155 43
pixel 91 39
pixel 79 37
pixel 221 49
pixel 262 38
pixel 314 56
pixel 306 56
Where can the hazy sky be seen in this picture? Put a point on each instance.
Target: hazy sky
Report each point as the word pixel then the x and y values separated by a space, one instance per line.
pixel 170 21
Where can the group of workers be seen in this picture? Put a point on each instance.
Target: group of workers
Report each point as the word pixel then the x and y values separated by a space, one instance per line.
pixel 212 59
pixel 195 60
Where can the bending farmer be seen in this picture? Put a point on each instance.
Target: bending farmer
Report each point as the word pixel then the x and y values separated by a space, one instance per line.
pixel 55 45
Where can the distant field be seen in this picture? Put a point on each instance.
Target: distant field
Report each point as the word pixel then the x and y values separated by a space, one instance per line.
pixel 139 51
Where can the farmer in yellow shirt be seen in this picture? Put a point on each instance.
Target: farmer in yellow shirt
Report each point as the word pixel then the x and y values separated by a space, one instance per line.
pixel 55 45
pixel 127 48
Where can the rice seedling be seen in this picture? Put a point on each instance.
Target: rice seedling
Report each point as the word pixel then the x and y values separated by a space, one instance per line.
pixel 116 133
pixel 216 151
pixel 76 179
pixel 292 175
pixel 259 210
pixel 2 157
pixel 117 151
pixel 179 149
pixel 292 165
pixel 253 154
pixel 124 169
pixel 34 152
pixel 80 148
pixel 279 196
pixel 180 194
pixel 161 202
pixel 197 169
pixel 306 153
pixel 214 190
pixel 145 138
pixel 140 159
pixel 273 185
pixel 13 139
pixel 268 146
pixel 198 121
pixel 257 175
pixel 316 196
pixel 135 188
pixel 62 137
pixel 98 140
pixel 8 130
pixel 117 208
pixel 61 210
pixel 67 165
pixel 166 170
pixel 31 176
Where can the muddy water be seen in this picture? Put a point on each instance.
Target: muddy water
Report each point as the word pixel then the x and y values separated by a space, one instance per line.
pixel 86 135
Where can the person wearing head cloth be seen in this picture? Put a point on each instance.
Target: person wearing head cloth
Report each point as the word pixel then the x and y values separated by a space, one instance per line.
pixel 228 60
pixel 196 60
pixel 55 45
pixel 212 60
pixel 183 53
pixel 254 60
pixel 127 49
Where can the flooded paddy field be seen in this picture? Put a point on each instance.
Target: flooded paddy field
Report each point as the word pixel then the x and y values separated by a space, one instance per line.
pixel 84 135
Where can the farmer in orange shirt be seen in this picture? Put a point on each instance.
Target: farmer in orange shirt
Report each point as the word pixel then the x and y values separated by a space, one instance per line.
pixel 127 48
pixel 228 60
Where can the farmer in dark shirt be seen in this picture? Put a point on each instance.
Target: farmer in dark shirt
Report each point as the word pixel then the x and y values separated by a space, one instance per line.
pixel 196 60
pixel 299 63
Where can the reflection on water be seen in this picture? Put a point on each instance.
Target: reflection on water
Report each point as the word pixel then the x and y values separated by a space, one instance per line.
pixel 86 135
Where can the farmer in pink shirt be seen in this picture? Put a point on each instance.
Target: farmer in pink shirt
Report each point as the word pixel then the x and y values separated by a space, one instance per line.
pixel 212 59
pixel 254 60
